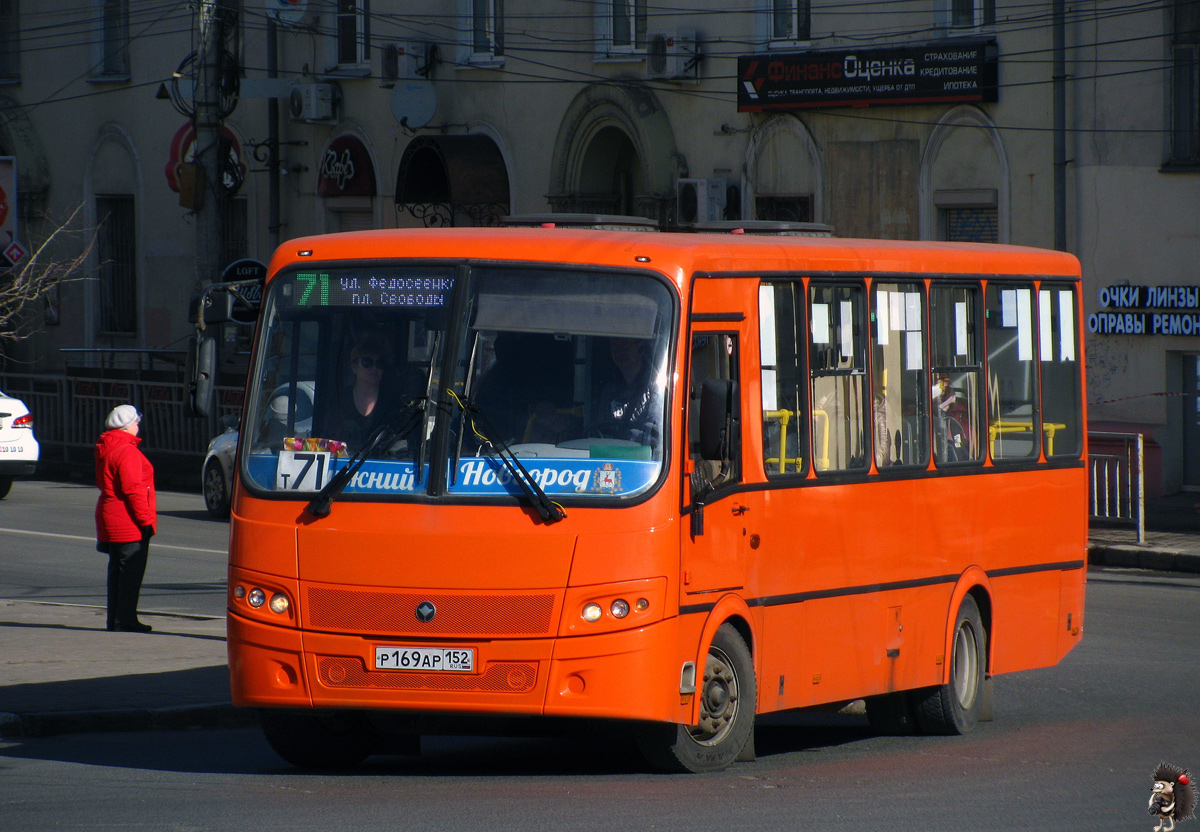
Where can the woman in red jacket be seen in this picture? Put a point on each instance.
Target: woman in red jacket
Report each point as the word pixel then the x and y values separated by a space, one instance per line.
pixel 126 517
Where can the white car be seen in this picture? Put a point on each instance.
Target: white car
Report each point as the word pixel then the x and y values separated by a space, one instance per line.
pixel 18 447
pixel 217 479
pixel 219 462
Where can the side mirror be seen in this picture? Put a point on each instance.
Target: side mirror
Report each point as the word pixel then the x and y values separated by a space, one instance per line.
pixel 202 379
pixel 718 403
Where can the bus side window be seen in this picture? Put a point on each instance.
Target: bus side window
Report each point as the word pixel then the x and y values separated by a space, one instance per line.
pixel 781 339
pixel 714 357
pixel 900 386
pixel 838 361
pixel 1012 381
pixel 957 374
pixel 1059 354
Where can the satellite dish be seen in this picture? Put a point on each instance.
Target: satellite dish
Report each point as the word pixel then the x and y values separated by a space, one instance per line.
pixel 414 102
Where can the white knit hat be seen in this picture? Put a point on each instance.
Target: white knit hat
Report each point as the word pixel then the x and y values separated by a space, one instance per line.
pixel 122 416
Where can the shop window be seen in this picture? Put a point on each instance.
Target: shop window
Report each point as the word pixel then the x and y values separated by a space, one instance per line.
pixel 900 381
pixel 115 253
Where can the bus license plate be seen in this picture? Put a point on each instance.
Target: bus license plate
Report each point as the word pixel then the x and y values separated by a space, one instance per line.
pixel 425 659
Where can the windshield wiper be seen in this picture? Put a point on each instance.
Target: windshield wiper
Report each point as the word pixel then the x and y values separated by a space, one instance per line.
pixel 384 435
pixel 547 509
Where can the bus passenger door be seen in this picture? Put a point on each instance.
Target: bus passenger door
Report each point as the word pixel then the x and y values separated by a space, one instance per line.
pixel 715 539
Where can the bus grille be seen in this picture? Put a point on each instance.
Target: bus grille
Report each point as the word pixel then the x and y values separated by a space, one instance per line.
pixel 361 611
pixel 500 677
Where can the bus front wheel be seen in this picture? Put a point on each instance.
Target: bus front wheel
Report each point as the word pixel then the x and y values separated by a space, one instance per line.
pixel 318 740
pixel 953 708
pixel 728 700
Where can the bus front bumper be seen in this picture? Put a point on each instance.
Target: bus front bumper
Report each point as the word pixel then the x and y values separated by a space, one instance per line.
pixel 631 674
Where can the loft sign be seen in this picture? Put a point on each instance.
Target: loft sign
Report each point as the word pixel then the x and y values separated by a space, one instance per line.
pixel 1147 310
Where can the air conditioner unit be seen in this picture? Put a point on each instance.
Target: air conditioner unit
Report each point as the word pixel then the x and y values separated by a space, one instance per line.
pixel 311 102
pixel 406 59
pixel 700 200
pixel 671 55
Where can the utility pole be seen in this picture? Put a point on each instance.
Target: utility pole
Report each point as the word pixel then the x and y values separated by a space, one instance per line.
pixel 208 143
pixel 1059 78
pixel 273 220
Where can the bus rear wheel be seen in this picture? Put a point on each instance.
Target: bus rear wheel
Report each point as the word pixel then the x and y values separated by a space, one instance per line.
pixel 953 708
pixel 728 700
pixel 330 739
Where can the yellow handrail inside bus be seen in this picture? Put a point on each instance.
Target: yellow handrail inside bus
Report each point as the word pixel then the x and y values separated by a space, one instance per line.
pixel 821 428
pixel 1001 427
pixel 783 460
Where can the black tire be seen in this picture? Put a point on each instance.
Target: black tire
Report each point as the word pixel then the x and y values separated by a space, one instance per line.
pixel 728 699
pixel 5 486
pixel 892 714
pixel 216 490
pixel 329 739
pixel 953 708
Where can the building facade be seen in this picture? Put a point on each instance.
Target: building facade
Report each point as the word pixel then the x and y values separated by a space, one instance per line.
pixel 914 119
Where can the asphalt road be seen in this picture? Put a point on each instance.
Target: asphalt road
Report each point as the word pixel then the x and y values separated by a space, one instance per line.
pixel 48 537
pixel 1072 747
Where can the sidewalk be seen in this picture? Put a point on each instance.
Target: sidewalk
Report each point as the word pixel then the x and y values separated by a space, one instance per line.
pixel 1172 538
pixel 62 672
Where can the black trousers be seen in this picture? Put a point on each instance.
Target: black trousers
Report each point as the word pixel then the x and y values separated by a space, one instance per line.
pixel 126 566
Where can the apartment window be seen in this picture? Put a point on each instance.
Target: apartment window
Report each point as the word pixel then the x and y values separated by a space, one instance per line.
pixel 1185 82
pixel 789 20
pixel 352 36
pixel 487 28
pixel 110 51
pixel 784 208
pixel 115 253
pixel 966 14
pixel 10 40
pixel 621 27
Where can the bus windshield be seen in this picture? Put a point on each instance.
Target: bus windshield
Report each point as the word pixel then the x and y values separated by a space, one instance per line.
pixel 435 372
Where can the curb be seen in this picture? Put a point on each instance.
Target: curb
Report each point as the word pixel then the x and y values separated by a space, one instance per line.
pixel 51 723
pixel 1140 557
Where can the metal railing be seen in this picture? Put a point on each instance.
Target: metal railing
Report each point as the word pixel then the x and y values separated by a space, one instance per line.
pixel 1118 480
pixel 69 412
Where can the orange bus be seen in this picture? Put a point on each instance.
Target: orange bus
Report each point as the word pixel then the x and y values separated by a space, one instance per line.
pixel 676 480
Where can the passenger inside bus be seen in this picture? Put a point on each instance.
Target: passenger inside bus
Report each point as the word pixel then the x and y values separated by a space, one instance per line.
pixel 368 396
pixel 526 395
pixel 628 406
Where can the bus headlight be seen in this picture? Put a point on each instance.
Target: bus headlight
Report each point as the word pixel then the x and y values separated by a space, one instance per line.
pixel 592 612
pixel 279 603
pixel 619 608
pixel 256 598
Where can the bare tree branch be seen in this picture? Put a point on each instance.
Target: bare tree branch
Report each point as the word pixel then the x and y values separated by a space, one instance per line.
pixel 60 253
